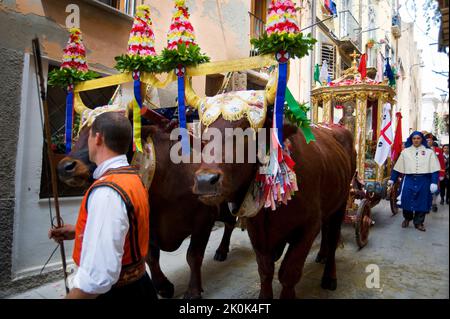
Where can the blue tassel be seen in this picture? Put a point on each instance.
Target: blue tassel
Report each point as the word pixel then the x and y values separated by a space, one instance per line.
pixel 182 117
pixel 279 103
pixel 69 120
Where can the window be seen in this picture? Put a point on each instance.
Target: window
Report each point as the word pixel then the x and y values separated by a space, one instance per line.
pixel 329 54
pixel 56 99
pixel 126 6
pixel 257 15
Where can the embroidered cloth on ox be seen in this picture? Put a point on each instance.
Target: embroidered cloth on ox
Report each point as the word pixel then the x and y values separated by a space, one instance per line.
pixel 88 116
pixel 233 106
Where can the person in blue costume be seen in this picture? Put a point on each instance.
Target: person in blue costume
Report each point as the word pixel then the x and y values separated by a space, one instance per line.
pixel 420 167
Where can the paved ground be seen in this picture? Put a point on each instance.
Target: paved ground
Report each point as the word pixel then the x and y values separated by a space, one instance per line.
pixel 412 264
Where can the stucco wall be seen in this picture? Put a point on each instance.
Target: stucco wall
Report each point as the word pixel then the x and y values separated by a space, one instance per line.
pixel 24 219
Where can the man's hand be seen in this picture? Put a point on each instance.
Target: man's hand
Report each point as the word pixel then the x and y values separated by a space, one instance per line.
pixel 390 183
pixel 433 188
pixel 76 293
pixel 66 232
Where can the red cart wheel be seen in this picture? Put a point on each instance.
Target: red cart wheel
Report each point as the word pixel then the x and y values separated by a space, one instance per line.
pixel 393 199
pixel 363 222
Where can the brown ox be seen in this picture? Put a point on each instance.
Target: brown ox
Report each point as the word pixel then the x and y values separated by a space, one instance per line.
pixel 324 171
pixel 175 212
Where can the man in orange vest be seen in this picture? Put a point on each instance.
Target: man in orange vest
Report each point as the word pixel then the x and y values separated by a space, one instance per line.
pixel 112 231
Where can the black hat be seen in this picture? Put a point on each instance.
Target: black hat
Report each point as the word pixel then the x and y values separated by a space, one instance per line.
pixel 430 135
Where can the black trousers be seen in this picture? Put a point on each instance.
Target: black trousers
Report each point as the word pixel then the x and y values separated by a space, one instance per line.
pixel 418 217
pixel 444 188
pixel 140 289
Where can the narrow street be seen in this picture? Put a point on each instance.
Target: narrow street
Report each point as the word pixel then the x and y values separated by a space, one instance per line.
pixel 412 264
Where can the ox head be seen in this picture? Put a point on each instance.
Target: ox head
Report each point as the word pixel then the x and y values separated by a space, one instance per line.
pixel 76 168
pixel 220 182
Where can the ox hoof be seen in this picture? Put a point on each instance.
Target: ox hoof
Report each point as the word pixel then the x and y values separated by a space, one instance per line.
pixel 321 260
pixel 165 289
pixel 192 295
pixel 329 283
pixel 220 256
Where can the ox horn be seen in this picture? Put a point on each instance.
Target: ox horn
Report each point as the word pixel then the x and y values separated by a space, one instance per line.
pixel 192 98
pixel 272 85
pixel 78 104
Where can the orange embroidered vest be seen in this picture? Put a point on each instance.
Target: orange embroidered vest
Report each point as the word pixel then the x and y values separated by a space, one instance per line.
pixel 126 181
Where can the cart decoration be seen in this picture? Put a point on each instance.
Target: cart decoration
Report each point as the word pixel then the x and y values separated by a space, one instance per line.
pixel 367 108
pixel 181 51
pixel 277 182
pixel 74 69
pixel 141 54
pixel 182 59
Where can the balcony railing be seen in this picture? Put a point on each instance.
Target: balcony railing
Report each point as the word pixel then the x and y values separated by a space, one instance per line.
pixel 257 28
pixel 350 29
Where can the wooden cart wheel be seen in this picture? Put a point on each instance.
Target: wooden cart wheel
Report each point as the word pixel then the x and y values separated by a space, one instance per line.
pixel 393 198
pixel 363 222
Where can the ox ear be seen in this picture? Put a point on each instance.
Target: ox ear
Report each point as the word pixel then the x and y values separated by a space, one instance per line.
pixel 289 130
pixel 149 130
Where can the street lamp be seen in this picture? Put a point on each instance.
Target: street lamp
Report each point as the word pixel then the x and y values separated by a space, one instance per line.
pixel 417 64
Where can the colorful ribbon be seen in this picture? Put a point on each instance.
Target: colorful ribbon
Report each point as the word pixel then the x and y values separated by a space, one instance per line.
pixel 137 88
pixel 137 106
pixel 279 102
pixel 69 118
pixel 300 114
pixel 185 150
pixel 137 127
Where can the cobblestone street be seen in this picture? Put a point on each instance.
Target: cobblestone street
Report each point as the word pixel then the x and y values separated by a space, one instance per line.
pixel 412 264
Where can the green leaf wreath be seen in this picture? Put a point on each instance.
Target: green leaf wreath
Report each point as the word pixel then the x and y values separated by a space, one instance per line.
pixel 129 63
pixel 296 45
pixel 296 117
pixel 186 56
pixel 64 77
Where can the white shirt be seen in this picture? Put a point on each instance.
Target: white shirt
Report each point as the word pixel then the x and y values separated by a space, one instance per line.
pixel 104 236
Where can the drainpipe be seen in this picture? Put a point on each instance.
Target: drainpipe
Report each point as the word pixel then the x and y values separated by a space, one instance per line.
pixel 312 59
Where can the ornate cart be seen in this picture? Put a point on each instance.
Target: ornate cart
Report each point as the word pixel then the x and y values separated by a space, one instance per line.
pixel 358 104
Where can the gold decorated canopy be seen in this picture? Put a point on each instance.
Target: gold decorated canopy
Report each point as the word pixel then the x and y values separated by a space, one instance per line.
pixel 360 92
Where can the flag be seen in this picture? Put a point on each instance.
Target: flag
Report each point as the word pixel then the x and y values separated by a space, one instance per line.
pixel 330 5
pixel 324 77
pixel 389 73
pixel 397 146
pixel 386 137
pixel 363 66
pixel 379 78
pixel 317 73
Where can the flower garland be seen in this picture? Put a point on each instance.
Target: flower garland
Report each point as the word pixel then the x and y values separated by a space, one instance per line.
pixel 276 178
pixel 282 32
pixel 182 48
pixel 74 67
pixel 141 53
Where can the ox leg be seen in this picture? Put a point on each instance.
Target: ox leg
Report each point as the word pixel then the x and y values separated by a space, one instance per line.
pixel 162 285
pixel 329 280
pixel 224 247
pixel 321 257
pixel 194 257
pixel 266 268
pixel 291 268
